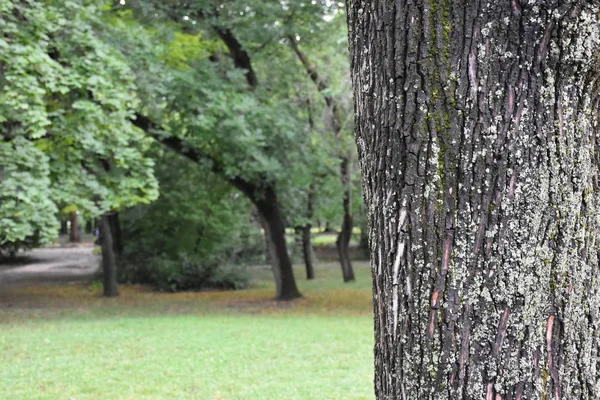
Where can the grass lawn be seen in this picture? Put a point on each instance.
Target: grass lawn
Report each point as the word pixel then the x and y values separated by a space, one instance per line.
pixel 66 342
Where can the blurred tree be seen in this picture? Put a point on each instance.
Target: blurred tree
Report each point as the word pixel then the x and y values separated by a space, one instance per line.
pixel 215 86
pixel 207 60
pixel 339 116
pixel 66 101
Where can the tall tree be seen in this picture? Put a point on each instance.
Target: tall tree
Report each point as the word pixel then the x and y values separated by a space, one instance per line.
pixel 345 159
pixel 477 125
pixel 217 89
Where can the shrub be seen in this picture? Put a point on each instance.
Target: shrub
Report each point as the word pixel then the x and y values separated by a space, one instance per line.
pixel 184 273
pixel 192 237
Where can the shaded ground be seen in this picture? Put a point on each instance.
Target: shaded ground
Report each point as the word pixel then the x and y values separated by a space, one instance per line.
pixel 58 279
pixel 65 265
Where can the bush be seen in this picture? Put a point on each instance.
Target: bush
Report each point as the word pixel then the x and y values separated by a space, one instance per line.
pixel 184 273
pixel 190 238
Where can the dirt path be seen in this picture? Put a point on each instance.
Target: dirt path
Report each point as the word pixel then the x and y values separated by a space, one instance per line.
pixel 51 265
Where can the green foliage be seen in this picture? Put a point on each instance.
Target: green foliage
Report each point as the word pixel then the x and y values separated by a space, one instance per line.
pixel 74 73
pixel 26 214
pixel 186 47
pixel 196 213
pixel 66 100
pixel 198 223
pixel 184 273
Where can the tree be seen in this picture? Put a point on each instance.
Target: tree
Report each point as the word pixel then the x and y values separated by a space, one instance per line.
pixel 477 126
pixel 65 122
pixel 109 265
pixel 218 89
pixel 335 107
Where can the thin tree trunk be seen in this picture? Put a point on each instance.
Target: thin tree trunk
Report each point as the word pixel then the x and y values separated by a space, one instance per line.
pixel 117 234
pixel 345 235
pixel 109 268
pixel 477 126
pixel 343 240
pixel 268 210
pixel 74 233
pixel 304 236
pixel 307 249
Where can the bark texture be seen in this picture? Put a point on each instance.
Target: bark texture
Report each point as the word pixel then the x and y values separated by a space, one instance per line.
pixel 477 130
pixel 109 268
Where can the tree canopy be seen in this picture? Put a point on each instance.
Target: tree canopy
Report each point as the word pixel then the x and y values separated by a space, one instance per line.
pixel 254 93
pixel 66 103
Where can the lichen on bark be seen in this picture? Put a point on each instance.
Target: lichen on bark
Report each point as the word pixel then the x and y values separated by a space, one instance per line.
pixel 477 129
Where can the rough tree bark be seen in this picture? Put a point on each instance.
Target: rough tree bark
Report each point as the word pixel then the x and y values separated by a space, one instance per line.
pixel 109 268
pixel 477 126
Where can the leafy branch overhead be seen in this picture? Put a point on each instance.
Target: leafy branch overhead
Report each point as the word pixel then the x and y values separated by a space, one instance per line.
pixel 66 101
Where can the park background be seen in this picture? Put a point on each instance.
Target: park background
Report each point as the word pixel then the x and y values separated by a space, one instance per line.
pixel 180 205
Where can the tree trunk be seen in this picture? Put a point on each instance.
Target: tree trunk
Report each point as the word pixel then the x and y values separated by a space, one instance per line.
pixel 268 210
pixel 328 228
pixel 117 235
pixel 109 268
pixel 307 252
pixel 307 249
pixel 364 234
pixel 74 233
pixel 343 239
pixel 477 128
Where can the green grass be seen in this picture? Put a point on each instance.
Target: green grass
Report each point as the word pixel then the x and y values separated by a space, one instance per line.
pixel 324 239
pixel 69 343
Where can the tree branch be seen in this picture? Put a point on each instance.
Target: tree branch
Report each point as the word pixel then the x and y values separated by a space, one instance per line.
pixel 322 85
pixel 241 59
pixel 194 154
